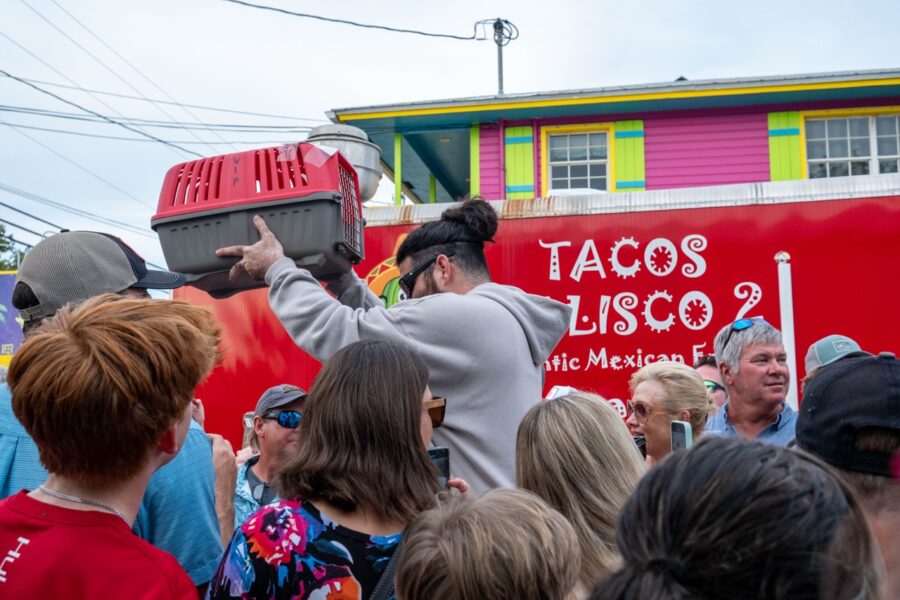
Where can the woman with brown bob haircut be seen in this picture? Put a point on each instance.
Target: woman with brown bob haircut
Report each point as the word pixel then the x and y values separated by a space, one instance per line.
pixel 360 475
pixel 105 391
pixel 576 453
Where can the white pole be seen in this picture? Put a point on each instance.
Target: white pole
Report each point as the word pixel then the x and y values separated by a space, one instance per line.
pixel 786 304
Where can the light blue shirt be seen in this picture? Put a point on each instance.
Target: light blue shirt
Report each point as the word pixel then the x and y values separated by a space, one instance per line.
pixel 244 502
pixel 779 433
pixel 178 513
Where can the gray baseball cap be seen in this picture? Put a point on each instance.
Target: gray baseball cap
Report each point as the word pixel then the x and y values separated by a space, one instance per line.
pixel 830 349
pixel 72 266
pixel 276 396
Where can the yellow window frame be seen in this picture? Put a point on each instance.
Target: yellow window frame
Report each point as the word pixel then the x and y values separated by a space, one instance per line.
pixel 548 130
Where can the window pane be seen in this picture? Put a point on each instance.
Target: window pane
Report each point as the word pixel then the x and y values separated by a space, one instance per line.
pixel 558 141
pixel 837 149
pixel 815 130
pixel 818 171
pixel 837 127
pixel 578 139
pixel 859 147
pixel 887 146
pixel 598 170
pixel 815 149
pixel 598 184
pixel 579 183
pixel 838 169
pixel 598 139
pixel 859 127
pixel 598 152
pixel 559 172
pixel 558 154
pixel 578 171
pixel 859 168
pixel 559 184
pixel 887 166
pixel 884 125
pixel 577 153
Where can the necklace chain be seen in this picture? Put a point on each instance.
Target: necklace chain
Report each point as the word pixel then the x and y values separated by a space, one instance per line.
pixel 78 500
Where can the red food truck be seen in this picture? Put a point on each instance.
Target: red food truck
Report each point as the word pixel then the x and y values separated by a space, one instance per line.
pixel 650 276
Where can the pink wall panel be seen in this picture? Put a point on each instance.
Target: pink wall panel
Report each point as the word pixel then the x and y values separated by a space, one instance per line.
pixel 489 161
pixel 705 150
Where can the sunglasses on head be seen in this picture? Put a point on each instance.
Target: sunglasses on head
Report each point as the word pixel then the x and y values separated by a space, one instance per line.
pixel 741 325
pixel 713 386
pixel 289 419
pixel 436 408
pixel 408 281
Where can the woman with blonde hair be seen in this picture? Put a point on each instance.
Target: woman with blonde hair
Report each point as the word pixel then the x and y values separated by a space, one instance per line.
pixel 576 454
pixel 663 392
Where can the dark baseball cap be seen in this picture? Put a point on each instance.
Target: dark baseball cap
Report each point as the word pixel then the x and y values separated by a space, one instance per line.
pixel 72 266
pixel 276 396
pixel 843 402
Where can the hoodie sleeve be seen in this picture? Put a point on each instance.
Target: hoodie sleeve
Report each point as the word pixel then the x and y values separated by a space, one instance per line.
pixel 322 325
pixel 352 291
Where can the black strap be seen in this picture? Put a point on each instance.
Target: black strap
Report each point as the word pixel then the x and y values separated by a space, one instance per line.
pixel 385 586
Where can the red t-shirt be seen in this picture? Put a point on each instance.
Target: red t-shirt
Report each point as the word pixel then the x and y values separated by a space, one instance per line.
pixel 48 551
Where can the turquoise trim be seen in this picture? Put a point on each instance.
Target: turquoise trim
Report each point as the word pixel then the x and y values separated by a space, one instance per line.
pixel 788 131
pixel 629 134
pixel 520 188
pixel 630 184
pixel 522 139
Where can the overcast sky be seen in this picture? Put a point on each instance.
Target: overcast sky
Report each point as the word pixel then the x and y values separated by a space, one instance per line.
pixel 219 54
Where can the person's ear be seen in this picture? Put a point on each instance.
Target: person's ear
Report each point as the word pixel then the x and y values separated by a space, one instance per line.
pixel 443 271
pixel 168 442
pixel 727 375
pixel 684 415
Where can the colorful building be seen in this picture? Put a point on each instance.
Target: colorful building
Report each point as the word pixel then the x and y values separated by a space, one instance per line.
pixel 645 137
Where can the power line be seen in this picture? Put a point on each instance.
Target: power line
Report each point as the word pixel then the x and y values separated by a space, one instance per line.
pixel 97 60
pixel 78 166
pixel 15 241
pixel 357 24
pixel 31 216
pixel 96 114
pixel 231 127
pixel 181 104
pixel 69 79
pixel 75 211
pixel 31 231
pixel 133 139
pixel 136 70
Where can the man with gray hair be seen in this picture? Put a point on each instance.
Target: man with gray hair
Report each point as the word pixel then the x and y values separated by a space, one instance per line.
pixel 754 369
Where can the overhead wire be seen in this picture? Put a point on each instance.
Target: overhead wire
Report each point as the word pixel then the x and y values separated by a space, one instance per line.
pixel 78 165
pixel 15 241
pixel 181 104
pixel 17 226
pixel 104 117
pixel 358 24
pixel 231 127
pixel 134 139
pixel 31 216
pixel 97 60
pixel 76 211
pixel 136 70
pixel 67 78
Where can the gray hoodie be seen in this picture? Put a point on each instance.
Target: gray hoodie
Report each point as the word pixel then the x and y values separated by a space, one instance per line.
pixel 485 352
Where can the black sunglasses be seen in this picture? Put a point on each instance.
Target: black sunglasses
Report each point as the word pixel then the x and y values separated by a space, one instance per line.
pixel 408 281
pixel 289 419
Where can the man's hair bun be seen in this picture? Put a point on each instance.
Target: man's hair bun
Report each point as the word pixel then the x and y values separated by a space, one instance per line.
pixel 476 215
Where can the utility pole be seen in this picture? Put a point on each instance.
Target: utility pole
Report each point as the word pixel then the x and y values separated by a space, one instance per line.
pixel 504 33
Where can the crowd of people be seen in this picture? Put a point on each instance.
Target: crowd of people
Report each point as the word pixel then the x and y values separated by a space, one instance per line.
pixel 113 489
